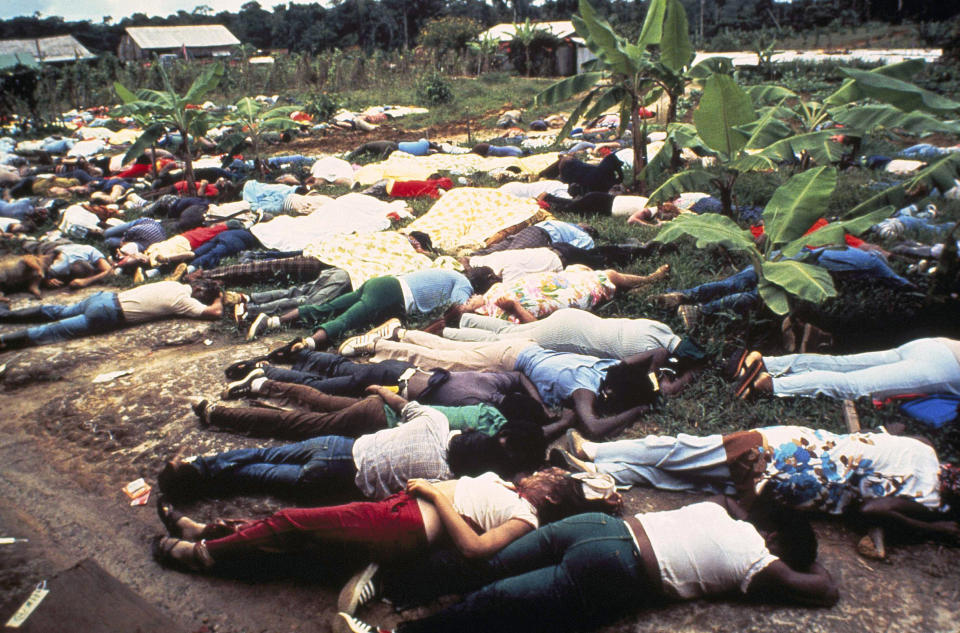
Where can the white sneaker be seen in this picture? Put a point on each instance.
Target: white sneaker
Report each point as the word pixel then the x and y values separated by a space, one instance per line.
pixel 359 345
pixel 359 590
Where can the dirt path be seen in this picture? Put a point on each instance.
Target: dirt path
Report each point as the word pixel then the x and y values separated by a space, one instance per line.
pixel 67 447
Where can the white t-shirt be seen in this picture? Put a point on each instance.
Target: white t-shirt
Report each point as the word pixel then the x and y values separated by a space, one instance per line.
pixel 159 300
pixel 510 265
pixel 534 189
pixel 829 471
pixel 627 205
pixel 489 502
pixel 702 550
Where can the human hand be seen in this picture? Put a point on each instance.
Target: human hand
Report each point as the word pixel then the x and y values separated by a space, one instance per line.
pixel 422 488
pixel 506 303
pixel 54 283
pixel 77 284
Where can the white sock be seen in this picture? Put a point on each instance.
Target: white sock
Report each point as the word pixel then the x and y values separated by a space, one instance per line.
pixel 191 269
pixel 273 322
pixel 310 343
pixel 150 273
pixel 590 450
pixel 257 383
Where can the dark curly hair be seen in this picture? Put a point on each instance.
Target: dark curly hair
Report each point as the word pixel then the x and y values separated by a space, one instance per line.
pixel 206 291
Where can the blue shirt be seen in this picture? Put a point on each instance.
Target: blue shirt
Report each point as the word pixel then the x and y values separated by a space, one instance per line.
pixel 497 151
pixel 556 375
pixel 417 148
pixel 566 233
pixel 70 253
pixel 435 287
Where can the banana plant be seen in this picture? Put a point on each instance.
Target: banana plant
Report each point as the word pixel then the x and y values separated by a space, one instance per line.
pixel 740 140
pixel 484 48
pixel 170 111
pixel 782 273
pixel 625 74
pixel 252 120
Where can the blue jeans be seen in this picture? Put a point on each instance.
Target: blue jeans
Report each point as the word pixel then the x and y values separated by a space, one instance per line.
pixel 336 375
pixel 860 263
pixel 99 312
pixel 231 242
pixel 737 292
pixel 331 283
pixel 924 366
pixel 926 228
pixel 321 464
pixel 571 575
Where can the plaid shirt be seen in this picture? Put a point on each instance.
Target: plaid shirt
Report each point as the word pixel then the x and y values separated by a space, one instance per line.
pixel 296 269
pixel 145 232
pixel 387 459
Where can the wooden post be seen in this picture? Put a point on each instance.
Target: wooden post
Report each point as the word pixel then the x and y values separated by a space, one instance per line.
pixel 853 425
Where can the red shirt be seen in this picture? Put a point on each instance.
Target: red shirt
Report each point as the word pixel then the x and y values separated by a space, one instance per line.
pixel 202 234
pixel 851 240
pixel 209 192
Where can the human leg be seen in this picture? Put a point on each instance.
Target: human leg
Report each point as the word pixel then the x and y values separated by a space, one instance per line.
pixel 378 299
pixel 364 416
pixel 453 355
pixel 391 527
pixel 340 386
pixel 684 462
pixel 742 281
pixel 312 465
pixel 97 313
pixel 923 366
pixel 861 263
pixel 738 302
pixel 528 237
pixel 571 575
pixel 625 281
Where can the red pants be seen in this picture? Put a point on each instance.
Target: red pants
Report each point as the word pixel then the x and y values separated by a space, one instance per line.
pixel 390 528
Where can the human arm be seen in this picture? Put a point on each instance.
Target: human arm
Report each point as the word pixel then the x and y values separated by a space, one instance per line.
pixel 585 406
pixel 778 583
pixel 213 311
pixel 555 429
pixel 466 540
pixel 103 269
pixel 511 306
pixel 393 400
pixel 899 512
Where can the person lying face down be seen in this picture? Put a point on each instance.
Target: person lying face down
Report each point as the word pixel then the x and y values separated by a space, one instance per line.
pixel 479 515
pixel 375 465
pixel 549 580
pixel 889 480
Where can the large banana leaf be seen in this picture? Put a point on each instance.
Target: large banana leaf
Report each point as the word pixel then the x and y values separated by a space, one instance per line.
pixel 723 108
pixel 604 42
pixel 689 180
pixel 124 93
pixel 774 296
pixel 203 84
pixel 149 136
pixel 652 30
pixel 567 88
pixel 752 162
pixel 898 93
pixel 817 144
pixel 709 229
pixel 864 119
pixel 797 204
pixel 809 282
pixel 766 130
pixel 577 114
pixel 768 93
pixel 942 175
pixel 710 66
pixel 615 95
pixel 833 233
pixel 848 91
pixel 675 48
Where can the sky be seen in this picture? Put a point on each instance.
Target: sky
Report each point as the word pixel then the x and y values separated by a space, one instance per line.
pixel 94 10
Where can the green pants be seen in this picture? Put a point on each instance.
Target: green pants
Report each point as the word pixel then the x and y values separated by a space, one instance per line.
pixel 377 300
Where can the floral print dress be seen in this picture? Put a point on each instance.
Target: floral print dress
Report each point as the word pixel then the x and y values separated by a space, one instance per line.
pixel 576 286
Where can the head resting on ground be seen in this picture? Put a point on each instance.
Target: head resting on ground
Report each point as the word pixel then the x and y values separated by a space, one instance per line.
pixel 625 386
pixel 557 494
pixel 206 291
pixel 519 446
pixel 481 278
pixel 787 531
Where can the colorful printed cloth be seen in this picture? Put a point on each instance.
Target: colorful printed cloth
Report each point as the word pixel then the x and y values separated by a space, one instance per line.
pixel 819 470
pixel 403 166
pixel 375 255
pixel 575 286
pixel 471 218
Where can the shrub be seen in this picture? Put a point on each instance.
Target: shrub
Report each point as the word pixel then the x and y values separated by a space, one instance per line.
pixel 434 89
pixel 322 105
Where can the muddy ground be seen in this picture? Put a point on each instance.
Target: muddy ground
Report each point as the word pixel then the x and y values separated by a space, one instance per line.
pixel 68 445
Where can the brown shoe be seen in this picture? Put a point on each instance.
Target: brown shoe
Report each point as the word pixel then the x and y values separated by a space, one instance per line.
pixel 690 315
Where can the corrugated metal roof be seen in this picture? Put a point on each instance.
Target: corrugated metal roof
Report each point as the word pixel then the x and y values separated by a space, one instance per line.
pixel 199 36
pixel 9 61
pixel 61 48
pixel 505 32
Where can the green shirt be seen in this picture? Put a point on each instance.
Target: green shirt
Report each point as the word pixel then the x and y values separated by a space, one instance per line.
pixel 481 417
